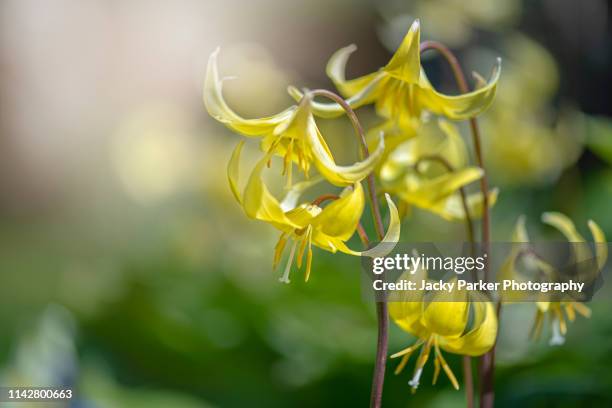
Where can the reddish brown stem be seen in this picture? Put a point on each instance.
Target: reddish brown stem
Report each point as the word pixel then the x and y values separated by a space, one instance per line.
pixel 487 367
pixel 382 315
pixel 365 152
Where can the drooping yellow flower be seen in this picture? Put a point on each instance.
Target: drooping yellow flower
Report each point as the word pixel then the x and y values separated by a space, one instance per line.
pixel 459 324
pixel 400 90
pixel 292 134
pixel 582 258
pixel 582 254
pixel 428 170
pixel 307 224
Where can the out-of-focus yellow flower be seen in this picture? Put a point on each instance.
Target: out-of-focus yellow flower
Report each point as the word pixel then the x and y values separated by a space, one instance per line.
pixel 307 224
pixel 581 254
pixel 428 170
pixel 455 325
pixel 582 259
pixel 292 134
pixel 527 142
pixel 453 22
pixel 401 90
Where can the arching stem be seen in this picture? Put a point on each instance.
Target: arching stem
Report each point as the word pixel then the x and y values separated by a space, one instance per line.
pixel 487 392
pixel 382 315
pixel 364 153
pixel 468 377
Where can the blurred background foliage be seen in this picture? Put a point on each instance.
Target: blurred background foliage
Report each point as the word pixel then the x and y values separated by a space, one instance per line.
pixel 129 273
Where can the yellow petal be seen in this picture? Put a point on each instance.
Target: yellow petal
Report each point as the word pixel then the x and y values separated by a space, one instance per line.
pixel 336 69
pixel 481 338
pixel 601 246
pixel 406 307
pixel 335 174
pixel 581 252
pixel 260 204
pixel 447 319
pixel 458 107
pixel 428 193
pixel 218 109
pixel 340 218
pixel 383 248
pixel 332 110
pixel 295 192
pixel 439 138
pixel 520 231
pixel 452 209
pixel 302 215
pixel 233 171
pixel 563 224
pixel 405 64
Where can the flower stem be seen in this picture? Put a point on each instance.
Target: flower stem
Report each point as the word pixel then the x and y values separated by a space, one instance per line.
pixel 382 315
pixel 468 380
pixel 365 153
pixel 469 229
pixel 487 391
pixel 463 88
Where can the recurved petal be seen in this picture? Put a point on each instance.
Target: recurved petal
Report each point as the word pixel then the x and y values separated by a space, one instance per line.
pixel 384 247
pixel 233 171
pixel 563 224
pixel 520 231
pixel 601 246
pixel 339 219
pixel 218 108
pixel 293 195
pixel 452 208
pixel 405 64
pixel 459 107
pixel 260 204
pixel 366 95
pixel 335 174
pixel 392 235
pixel 428 193
pixel 480 339
pixel 336 70
pixel 581 250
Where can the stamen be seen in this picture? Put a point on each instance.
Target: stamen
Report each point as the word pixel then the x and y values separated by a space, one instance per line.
pixel 303 246
pixel 285 277
pixel 571 313
pixel 536 329
pixel 582 309
pixel 309 257
pixel 414 383
pixel 446 367
pixel 402 364
pixel 408 350
pixel 436 371
pixel 557 338
pixel 278 250
pixel 562 324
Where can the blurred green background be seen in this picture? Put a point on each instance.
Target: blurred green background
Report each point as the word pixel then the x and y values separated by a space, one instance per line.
pixel 128 271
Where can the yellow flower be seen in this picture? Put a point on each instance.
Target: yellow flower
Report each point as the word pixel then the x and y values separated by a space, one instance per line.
pixel 292 134
pixel 307 224
pixel 582 258
pixel 428 170
pixel 400 90
pixel 465 325
pixel 582 254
